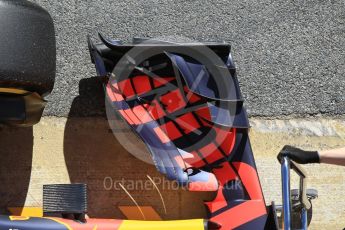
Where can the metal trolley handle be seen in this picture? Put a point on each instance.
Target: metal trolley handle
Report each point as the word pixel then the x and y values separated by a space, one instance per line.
pixel 286 165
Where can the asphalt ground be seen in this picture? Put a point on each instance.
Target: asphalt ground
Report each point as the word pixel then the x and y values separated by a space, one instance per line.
pixel 289 53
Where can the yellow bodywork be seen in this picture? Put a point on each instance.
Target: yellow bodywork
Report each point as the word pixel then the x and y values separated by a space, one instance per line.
pixel 13 91
pixel 197 224
pixel 26 211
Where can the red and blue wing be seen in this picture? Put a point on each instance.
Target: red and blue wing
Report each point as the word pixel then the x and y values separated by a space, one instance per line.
pixel 194 124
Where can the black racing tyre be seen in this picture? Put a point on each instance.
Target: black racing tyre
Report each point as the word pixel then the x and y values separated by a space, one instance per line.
pixel 27 47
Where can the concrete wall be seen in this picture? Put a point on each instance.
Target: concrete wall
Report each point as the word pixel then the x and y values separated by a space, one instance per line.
pixel 60 150
pixel 289 53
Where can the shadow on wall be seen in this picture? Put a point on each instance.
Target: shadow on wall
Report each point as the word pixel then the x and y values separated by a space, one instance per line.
pixel 15 166
pixel 94 156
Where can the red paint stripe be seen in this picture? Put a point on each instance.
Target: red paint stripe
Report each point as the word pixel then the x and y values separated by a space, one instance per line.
pixel 173 101
pixel 142 114
pixel 155 110
pixel 219 202
pixel 171 130
pixel 208 149
pixel 240 214
pixel 224 175
pixel 250 180
pixel 195 161
pixel 132 120
pixel 188 123
pixel 124 115
pixel 141 84
pixel 204 113
pixel 214 156
pixel 113 95
pixel 192 97
pixel 208 186
pixel 225 139
pixel 126 88
pixel 132 116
